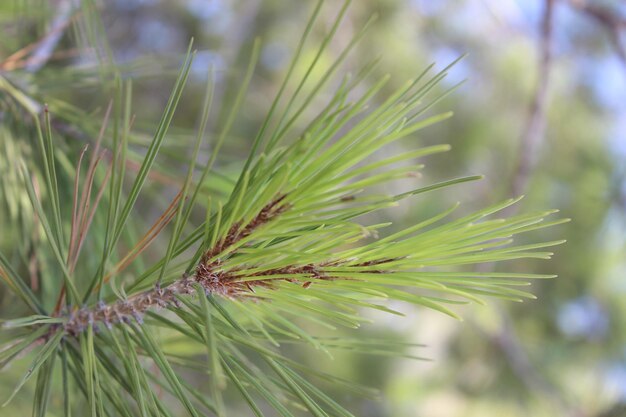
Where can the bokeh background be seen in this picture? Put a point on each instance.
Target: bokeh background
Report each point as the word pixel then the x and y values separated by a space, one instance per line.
pixel 541 112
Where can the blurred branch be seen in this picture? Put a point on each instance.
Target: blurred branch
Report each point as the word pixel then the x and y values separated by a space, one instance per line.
pixel 506 338
pixel 44 50
pixel 534 128
pixel 612 23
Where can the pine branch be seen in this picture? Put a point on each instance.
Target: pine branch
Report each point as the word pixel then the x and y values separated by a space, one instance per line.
pixel 282 248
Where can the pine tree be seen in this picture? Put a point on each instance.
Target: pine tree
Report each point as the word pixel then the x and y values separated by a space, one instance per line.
pixel 284 246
